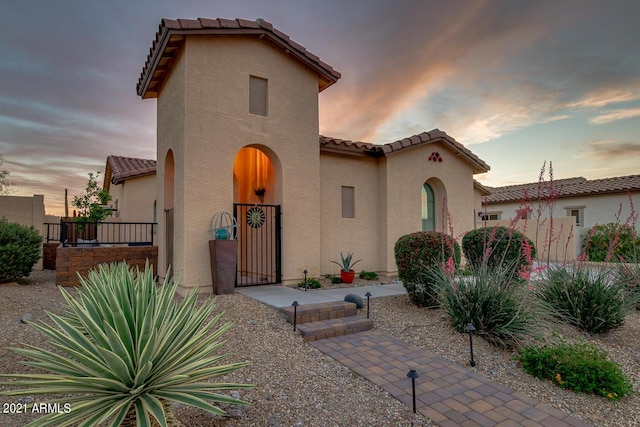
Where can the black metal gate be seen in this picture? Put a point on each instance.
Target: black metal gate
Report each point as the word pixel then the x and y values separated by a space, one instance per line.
pixel 259 244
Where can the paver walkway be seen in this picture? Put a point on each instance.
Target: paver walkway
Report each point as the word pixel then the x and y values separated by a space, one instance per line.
pixel 449 394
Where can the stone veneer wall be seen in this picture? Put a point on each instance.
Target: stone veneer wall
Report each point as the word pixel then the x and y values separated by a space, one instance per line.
pixel 70 261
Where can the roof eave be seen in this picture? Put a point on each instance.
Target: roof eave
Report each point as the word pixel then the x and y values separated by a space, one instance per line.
pixel 326 78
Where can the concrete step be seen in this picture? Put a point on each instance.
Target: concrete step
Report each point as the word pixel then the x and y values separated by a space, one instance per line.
pixel 308 313
pixel 322 329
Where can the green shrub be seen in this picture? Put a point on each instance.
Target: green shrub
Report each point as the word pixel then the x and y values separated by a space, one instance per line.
pixel 124 349
pixel 586 297
pixel 612 243
pixel 20 249
pixel 311 283
pixel 416 254
pixel 502 312
pixel 335 279
pixel 579 367
pixel 368 275
pixel 496 246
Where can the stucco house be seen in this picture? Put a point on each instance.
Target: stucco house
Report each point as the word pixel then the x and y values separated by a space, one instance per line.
pixel 237 131
pixel 131 182
pixel 578 205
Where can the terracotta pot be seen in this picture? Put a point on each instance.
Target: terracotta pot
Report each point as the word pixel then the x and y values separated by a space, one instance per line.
pixel 347 276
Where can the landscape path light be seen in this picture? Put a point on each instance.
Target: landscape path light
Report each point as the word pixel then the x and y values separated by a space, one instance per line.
pixel 413 374
pixel 368 295
pixel 295 314
pixel 470 328
pixel 305 280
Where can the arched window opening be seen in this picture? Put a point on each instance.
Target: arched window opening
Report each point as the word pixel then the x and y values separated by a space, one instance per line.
pixel 428 208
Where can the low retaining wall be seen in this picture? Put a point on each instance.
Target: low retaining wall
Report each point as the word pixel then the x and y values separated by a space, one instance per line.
pixel 70 261
pixel 49 255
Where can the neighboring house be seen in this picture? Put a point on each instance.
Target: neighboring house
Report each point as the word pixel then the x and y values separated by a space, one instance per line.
pixel 583 202
pixel 131 183
pixel 237 110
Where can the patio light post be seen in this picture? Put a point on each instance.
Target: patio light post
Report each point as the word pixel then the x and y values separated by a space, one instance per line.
pixel 470 328
pixel 295 314
pixel 413 374
pixel 368 295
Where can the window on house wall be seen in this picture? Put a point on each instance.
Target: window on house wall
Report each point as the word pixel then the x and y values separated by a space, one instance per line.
pixel 348 202
pixel 578 213
pixel 258 96
pixel 491 216
pixel 428 208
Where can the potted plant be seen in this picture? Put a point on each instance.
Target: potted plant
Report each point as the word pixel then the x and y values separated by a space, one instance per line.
pixel 346 267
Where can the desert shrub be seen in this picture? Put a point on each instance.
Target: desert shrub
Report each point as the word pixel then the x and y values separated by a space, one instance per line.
pixel 501 311
pixel 368 275
pixel 495 246
pixel 629 275
pixel 612 243
pixel 334 279
pixel 124 349
pixel 586 297
pixel 310 283
pixel 20 249
pixel 417 253
pixel 580 367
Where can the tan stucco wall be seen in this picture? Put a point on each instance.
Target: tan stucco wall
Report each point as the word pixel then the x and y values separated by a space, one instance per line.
pixel 407 171
pixel 203 115
pixel 26 211
pixel 389 202
pixel 134 199
pixel 170 136
pixel 362 234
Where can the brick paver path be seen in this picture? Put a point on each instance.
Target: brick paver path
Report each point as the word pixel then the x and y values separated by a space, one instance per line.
pixel 449 394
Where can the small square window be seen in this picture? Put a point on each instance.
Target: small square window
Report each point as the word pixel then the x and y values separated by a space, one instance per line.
pixel 258 96
pixel 348 202
pixel 576 213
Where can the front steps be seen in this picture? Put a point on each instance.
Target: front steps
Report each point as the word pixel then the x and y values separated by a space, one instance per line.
pixel 327 320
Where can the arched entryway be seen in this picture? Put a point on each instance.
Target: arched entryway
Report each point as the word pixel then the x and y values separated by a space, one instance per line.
pixel 257 196
pixel 169 178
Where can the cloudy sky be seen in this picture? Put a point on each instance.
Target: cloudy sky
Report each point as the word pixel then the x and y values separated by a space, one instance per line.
pixel 517 82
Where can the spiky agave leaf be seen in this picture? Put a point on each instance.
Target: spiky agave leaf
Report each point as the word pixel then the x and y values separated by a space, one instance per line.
pixel 124 346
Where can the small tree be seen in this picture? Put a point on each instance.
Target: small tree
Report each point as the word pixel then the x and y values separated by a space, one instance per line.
pixel 4 181
pixel 91 205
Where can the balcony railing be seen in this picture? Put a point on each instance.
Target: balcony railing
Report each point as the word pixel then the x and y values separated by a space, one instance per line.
pixel 71 233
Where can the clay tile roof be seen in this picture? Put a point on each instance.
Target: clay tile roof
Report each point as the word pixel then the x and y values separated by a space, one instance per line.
pixel 569 187
pixel 329 144
pixel 437 135
pixel 123 168
pixel 172 32
pixel 344 146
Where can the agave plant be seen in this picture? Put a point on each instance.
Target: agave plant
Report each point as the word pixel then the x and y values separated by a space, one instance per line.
pixel 124 349
pixel 346 264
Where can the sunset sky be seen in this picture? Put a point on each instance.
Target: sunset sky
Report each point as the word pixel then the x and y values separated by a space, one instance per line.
pixel 517 82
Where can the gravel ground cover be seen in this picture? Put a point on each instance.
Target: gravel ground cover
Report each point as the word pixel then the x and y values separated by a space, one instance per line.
pixel 296 385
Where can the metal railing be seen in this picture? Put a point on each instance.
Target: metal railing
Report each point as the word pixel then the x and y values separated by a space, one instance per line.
pixel 77 234
pixel 53 231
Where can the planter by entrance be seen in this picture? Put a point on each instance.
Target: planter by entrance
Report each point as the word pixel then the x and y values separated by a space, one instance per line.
pixel 223 265
pixel 347 276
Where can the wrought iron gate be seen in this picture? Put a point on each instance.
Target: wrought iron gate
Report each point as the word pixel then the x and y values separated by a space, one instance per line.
pixel 259 244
